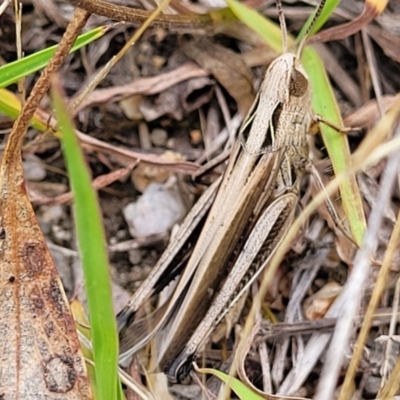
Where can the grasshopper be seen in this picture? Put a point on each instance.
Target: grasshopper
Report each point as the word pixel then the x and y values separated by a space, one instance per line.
pixel 245 216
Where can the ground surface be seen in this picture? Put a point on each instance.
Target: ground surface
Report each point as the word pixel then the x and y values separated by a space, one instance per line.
pixel 182 122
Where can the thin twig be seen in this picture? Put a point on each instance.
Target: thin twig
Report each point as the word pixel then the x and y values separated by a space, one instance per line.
pixel 373 69
pixel 4 5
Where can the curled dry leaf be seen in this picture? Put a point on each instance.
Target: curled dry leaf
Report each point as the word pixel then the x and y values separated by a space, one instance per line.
pixel 40 355
pixel 317 305
pixel 227 67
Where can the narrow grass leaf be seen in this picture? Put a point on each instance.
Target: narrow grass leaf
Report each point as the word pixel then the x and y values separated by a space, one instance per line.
pixel 92 245
pixel 325 14
pixel 244 392
pixel 13 71
pixel 10 105
pixel 324 104
pixel 269 31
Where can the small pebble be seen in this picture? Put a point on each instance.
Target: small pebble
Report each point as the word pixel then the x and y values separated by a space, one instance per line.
pixel 33 170
pixel 61 235
pixel 135 256
pixel 196 137
pixel 159 137
pixel 50 216
pixel 139 273
pixel 156 211
pixel 372 385
pixel 158 61
pixel 53 213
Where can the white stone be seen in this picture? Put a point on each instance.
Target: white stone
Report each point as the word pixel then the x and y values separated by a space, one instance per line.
pixel 156 210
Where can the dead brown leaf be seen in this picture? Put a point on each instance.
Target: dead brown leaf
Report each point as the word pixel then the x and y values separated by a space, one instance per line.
pixel 317 305
pixel 40 355
pixel 227 67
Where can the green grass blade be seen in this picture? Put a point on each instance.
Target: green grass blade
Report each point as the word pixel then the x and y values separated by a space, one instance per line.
pixel 271 32
pixel 325 14
pixel 13 71
pixel 10 105
pixel 265 28
pixel 92 245
pixel 244 392
pixel 324 104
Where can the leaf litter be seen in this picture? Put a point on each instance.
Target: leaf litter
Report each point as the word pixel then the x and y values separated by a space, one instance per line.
pixel 309 268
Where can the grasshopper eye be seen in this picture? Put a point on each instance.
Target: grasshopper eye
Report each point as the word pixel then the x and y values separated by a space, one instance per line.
pixel 298 84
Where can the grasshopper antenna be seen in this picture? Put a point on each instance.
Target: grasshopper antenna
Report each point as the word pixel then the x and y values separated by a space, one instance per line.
pixel 282 23
pixel 313 21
